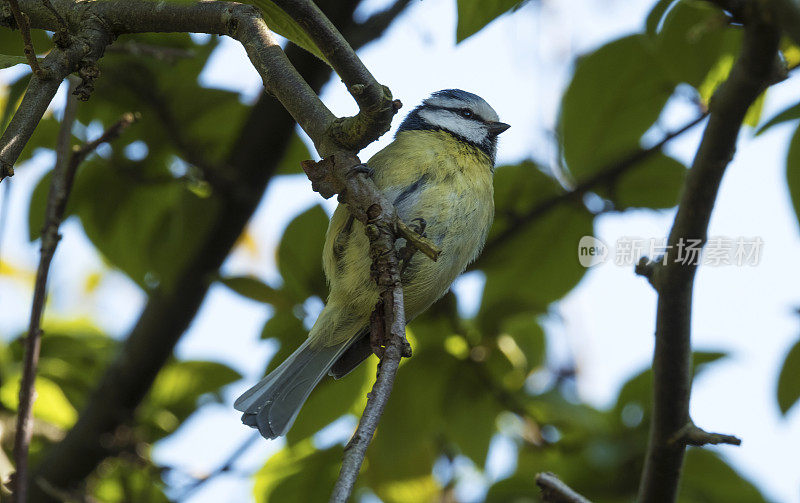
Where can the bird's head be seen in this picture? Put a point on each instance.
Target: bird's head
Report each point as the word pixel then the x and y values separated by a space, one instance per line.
pixel 465 115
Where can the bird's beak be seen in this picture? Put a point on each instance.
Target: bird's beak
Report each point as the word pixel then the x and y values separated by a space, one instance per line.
pixel 495 128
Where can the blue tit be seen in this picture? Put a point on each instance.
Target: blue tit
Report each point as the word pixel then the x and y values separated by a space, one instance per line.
pixel 437 171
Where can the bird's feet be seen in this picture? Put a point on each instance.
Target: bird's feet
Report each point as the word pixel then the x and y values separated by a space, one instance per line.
pixel 362 169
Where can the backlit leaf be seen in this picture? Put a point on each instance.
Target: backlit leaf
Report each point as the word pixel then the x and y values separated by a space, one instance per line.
pixel 790 114
pixel 793 172
pixel 298 473
pixel 473 15
pixel 615 95
pixel 300 255
pixel 654 183
pixel 789 380
pixel 252 288
pixel 282 24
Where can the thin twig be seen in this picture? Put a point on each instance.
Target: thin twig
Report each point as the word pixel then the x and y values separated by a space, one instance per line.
pixel 370 206
pixel 394 325
pixel 25 30
pixel 555 491
pixel 692 434
pixel 67 162
pixel 419 242
pixel 756 68
pixel 62 23
pixel 374 100
pixel 59 189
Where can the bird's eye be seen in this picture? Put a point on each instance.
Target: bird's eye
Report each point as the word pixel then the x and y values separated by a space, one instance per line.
pixel 466 112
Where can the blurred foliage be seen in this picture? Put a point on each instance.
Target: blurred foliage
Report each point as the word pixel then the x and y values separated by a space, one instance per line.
pixel 74 355
pixel 147 201
pixel 789 380
pixel 473 15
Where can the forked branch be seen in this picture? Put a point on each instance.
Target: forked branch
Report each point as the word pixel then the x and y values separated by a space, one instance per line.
pixel 756 68
pixel 336 139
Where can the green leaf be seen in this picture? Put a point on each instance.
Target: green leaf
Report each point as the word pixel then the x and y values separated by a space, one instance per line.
pixel 615 95
pixel 74 355
pixel 253 288
pixel 44 137
pixel 706 477
pixel 50 405
pixel 287 329
pixel 790 114
pixel 175 393
pixel 11 41
pixel 38 206
pixel 284 326
pixel 753 115
pixel 148 230
pixel 298 473
pixel 7 61
pixel 529 337
pixel 793 172
pixel 543 250
pixel 331 399
pixel 300 255
pixel 122 480
pixel 282 24
pixel 473 15
pixel 12 99
pixel 406 444
pixel 694 37
pixel 789 380
pixel 654 183
pixel 469 412
pixel 296 152
pixel 638 389
pixel 715 77
pixel 656 15
pixel 422 488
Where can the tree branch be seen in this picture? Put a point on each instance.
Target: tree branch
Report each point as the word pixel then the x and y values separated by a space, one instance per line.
pixel 253 157
pixel 56 199
pixel 25 30
pixel 555 491
pixel 393 324
pixel 80 51
pixel 374 100
pixel 67 162
pixel 756 68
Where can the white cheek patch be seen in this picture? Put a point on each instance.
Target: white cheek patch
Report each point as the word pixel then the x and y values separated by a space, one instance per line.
pixel 471 130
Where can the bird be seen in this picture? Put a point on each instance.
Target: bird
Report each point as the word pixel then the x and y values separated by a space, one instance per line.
pixel 438 173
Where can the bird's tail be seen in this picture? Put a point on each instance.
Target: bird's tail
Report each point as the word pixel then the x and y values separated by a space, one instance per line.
pixel 272 404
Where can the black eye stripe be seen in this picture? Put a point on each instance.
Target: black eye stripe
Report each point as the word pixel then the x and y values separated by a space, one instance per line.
pixel 458 111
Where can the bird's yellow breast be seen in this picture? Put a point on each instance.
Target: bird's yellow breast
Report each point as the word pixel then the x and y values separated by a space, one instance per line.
pixel 429 175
